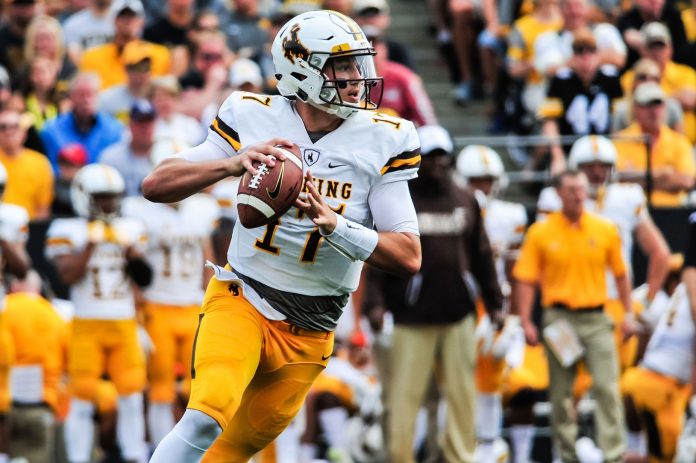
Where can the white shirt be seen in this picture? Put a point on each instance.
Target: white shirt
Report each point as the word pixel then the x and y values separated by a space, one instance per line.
pixel 88 30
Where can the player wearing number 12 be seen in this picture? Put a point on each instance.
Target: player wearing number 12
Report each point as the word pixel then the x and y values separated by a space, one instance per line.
pixel 99 254
pixel 266 327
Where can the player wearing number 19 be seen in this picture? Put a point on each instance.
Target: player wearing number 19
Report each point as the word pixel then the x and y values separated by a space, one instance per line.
pixel 99 254
pixel 266 327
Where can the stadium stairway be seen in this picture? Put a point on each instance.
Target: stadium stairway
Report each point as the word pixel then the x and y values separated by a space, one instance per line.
pixel 410 24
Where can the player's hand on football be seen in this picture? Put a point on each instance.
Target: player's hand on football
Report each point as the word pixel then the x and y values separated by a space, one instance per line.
pixel 312 204
pixel 257 153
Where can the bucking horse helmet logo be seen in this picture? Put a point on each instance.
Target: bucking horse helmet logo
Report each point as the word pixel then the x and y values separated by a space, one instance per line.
pixel 292 46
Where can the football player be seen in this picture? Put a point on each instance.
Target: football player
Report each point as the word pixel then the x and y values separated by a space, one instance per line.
pixel 483 172
pixel 265 332
pixel 178 246
pixel 14 222
pixel 99 254
pixel 625 205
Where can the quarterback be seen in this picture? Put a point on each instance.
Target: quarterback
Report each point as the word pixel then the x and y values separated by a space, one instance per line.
pixel 265 330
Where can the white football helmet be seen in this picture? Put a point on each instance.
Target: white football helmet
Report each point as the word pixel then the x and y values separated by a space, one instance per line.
pixel 592 148
pixel 94 179
pixel 3 180
pixel 481 161
pixel 306 43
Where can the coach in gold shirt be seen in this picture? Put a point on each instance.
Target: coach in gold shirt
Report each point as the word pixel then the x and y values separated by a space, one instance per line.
pixel 567 255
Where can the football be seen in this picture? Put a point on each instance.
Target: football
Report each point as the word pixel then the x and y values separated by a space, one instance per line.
pixel 267 195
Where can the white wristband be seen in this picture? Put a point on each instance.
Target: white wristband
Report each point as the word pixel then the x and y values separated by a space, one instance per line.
pixel 352 239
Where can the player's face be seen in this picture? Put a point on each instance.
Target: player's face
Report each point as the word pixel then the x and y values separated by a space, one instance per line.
pixel 573 193
pixel 347 71
pixel 106 203
pixel 597 172
pixel 435 166
pixel 483 184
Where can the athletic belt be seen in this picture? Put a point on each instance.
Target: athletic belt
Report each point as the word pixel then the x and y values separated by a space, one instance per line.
pixel 594 308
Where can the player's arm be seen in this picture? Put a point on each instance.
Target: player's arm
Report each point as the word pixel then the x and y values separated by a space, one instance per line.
pixel 199 167
pixel 16 257
pixel 73 267
pixel 655 247
pixel 395 249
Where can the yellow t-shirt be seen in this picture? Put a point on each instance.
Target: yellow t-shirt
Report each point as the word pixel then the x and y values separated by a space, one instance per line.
pixel 674 78
pixel 105 60
pixel 40 337
pixel 521 40
pixel 29 181
pixel 569 260
pixel 670 150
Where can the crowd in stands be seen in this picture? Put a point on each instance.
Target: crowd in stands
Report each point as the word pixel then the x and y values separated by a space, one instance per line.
pixel 127 83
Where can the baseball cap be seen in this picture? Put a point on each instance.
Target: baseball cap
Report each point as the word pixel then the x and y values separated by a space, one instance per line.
pixel 142 110
pixel 370 7
pixel 4 78
pixel 645 66
pixel 244 71
pixel 169 83
pixel 433 138
pixel 648 92
pixel 119 6
pixel 74 153
pixel 136 51
pixel 655 32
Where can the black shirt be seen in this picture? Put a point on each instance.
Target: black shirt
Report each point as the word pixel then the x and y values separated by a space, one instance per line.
pixel 165 33
pixel 670 18
pixel 586 109
pixel 11 50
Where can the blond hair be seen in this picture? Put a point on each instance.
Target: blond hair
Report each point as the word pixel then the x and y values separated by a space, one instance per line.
pixel 37 24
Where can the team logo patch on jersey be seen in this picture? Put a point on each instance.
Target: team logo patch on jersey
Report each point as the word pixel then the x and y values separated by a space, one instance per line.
pixel 292 46
pixel 311 156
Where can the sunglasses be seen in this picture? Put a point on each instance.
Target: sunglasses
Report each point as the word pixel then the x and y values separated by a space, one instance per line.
pixel 211 57
pixel 644 77
pixel 8 127
pixel 582 50
pixel 656 45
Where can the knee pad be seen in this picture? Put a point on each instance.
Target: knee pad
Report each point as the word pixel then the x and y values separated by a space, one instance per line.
pixel 162 391
pixel 197 429
pixel 130 381
pixel 85 387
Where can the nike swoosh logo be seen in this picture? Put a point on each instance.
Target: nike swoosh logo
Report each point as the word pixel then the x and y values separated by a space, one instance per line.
pixel 325 357
pixel 276 191
pixel 333 166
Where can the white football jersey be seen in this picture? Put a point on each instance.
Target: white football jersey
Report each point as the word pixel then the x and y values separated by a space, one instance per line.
pixel 175 251
pixel 367 150
pixel 14 228
pixel 105 292
pixel 670 350
pixel 505 223
pixel 225 192
pixel 622 203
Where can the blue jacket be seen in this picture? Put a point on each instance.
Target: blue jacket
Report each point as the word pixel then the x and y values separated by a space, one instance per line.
pixel 62 131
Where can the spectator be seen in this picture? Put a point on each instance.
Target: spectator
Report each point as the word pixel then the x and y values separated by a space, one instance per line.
pixel 71 158
pixel 13 34
pixel 403 93
pixel 342 6
pixel 646 11
pixel 567 256
pixel 671 160
pixel 204 82
pixel 678 80
pixel 245 75
pixel 106 60
pixel 434 312
pixel 645 70
pixel 375 14
pixel 611 49
pixel 40 95
pixel 29 175
pixel 40 338
pixel 84 124
pixel 579 98
pixel 88 28
pixel 520 56
pixel 118 100
pixel 45 38
pixel 131 158
pixel 246 30
pixel 5 88
pixel 172 31
pixel 171 124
